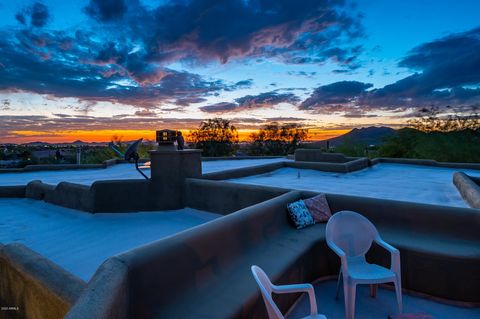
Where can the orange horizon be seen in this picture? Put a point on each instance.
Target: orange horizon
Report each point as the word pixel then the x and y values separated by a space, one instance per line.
pixel 127 135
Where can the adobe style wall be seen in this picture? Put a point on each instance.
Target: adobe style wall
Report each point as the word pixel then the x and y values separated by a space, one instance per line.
pixel 316 155
pixel 39 288
pixel 468 187
pixel 225 198
pixel 244 171
pixel 12 191
pixel 187 275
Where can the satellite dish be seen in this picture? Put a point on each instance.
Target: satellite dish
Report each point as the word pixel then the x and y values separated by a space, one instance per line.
pixel 130 153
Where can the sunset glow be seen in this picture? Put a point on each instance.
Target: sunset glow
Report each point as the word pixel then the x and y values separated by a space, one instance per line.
pixel 128 135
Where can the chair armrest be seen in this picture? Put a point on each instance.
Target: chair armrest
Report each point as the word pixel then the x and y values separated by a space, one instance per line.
pixel 340 253
pixel 386 245
pixel 394 252
pixel 308 288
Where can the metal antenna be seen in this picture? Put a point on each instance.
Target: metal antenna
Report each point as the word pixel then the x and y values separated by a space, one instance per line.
pixel 130 154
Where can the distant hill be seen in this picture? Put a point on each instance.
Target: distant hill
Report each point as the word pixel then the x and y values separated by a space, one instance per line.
pixel 80 143
pixel 372 135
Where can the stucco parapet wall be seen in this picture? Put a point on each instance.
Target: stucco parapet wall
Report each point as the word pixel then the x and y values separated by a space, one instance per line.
pixel 40 288
pixel 350 166
pixel 244 171
pixel 106 296
pixel 226 197
pixel 64 194
pixel 101 196
pixel 12 191
pixel 126 196
pixel 316 155
pixel 468 188
pixel 425 162
pixel 59 167
pixel 105 196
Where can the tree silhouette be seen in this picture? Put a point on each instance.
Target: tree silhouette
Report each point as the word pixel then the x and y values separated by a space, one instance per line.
pixel 276 139
pixel 216 137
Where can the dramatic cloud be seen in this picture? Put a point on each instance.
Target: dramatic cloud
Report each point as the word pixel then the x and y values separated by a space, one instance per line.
pixel 262 100
pixel 37 62
pixel 220 30
pixel 122 53
pixel 37 13
pixel 446 75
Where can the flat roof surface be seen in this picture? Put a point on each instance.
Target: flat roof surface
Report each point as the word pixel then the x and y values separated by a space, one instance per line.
pixel 404 182
pixel 377 308
pixel 78 241
pixel 120 171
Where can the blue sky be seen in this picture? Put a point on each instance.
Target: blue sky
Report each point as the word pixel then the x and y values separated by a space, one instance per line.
pixel 74 68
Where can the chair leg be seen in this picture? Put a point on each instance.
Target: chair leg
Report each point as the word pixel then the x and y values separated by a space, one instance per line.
pixel 350 292
pixel 338 283
pixel 398 292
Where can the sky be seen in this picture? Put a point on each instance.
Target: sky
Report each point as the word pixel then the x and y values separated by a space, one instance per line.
pixel 92 69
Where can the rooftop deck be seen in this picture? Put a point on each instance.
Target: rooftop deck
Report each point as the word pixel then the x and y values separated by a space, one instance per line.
pixel 78 241
pixel 116 172
pixel 411 183
pixel 185 275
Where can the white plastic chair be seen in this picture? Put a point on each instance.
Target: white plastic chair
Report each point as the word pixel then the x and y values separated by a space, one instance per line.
pixel 350 236
pixel 267 288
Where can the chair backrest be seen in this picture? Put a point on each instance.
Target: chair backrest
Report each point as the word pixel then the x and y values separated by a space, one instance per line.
pixel 351 232
pixel 266 289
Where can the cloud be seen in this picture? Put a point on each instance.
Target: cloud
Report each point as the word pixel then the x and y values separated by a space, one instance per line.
pixel 244 84
pixel 342 92
pixel 302 74
pixel 13 126
pixel 221 30
pixel 221 107
pixel 445 74
pixel 262 100
pixel 145 113
pixel 37 13
pixel 266 99
pixel 66 123
pixel 106 10
pixel 282 119
pixel 36 62
pixel 186 101
pixel 5 105
pixel 122 52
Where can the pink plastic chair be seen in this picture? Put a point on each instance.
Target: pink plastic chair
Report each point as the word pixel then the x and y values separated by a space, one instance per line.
pixel 350 236
pixel 267 288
